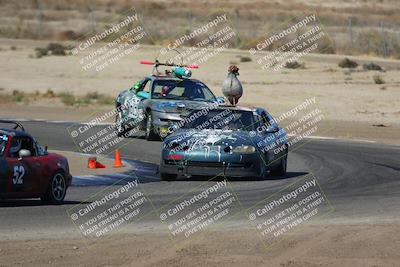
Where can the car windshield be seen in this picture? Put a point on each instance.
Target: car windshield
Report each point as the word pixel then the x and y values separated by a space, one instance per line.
pixel 222 119
pixel 182 90
pixel 3 144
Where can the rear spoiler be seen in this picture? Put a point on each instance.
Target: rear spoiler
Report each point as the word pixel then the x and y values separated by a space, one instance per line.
pixel 16 124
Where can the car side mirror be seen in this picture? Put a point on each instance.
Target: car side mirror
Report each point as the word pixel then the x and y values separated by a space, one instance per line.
pixel 220 100
pixel 24 153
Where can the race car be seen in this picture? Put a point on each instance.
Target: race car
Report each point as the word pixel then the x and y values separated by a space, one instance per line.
pixel 158 102
pixel 27 170
pixel 228 140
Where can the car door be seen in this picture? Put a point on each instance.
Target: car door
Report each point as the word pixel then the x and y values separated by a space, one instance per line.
pixel 23 173
pixel 45 166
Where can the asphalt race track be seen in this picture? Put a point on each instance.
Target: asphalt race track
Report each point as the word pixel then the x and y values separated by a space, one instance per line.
pixel 361 180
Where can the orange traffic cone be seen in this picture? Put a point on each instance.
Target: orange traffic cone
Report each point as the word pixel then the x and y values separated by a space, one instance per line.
pixel 92 163
pixel 117 161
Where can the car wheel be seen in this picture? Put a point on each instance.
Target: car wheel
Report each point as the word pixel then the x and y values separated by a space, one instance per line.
pixel 281 169
pixel 56 190
pixel 168 177
pixel 151 135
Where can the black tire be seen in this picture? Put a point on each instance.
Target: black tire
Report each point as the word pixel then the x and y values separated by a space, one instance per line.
pixel 56 189
pixel 167 177
pixel 151 135
pixel 281 169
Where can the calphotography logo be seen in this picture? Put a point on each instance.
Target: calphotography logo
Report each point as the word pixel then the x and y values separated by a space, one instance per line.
pixel 290 42
pixel 109 211
pixel 206 41
pixel 288 209
pixel 198 210
pixel 101 136
pixel 104 49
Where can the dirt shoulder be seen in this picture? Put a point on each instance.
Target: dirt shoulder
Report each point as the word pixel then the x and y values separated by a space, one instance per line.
pixel 359 130
pixel 322 245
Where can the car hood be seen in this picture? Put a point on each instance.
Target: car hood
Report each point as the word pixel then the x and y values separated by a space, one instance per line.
pixel 210 137
pixel 178 106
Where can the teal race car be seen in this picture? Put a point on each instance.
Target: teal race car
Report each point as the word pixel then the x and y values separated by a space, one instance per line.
pixel 227 140
pixel 158 103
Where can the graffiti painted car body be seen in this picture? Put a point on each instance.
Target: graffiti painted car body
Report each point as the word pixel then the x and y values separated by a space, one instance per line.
pixel 157 103
pixel 232 141
pixel 27 170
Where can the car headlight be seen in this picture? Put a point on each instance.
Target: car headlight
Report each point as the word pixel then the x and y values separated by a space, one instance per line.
pixel 244 149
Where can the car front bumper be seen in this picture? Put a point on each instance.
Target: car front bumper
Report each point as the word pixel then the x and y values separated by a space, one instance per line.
pixel 250 165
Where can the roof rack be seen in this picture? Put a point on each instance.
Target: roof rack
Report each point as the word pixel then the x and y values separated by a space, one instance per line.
pixel 178 70
pixel 16 124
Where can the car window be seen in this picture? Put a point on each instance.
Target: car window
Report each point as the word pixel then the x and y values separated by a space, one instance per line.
pixel 19 143
pixel 177 91
pixel 222 119
pixel 147 86
pixel 182 90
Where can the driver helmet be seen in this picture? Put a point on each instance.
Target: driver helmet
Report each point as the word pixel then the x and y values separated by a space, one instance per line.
pixel 164 91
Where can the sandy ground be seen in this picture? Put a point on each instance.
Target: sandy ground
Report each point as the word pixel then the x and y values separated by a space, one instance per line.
pixel 339 245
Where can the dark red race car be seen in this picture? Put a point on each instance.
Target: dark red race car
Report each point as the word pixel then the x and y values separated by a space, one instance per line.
pixel 27 170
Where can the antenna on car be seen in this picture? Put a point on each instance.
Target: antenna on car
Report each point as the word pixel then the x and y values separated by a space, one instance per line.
pixel 16 124
pixel 178 70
